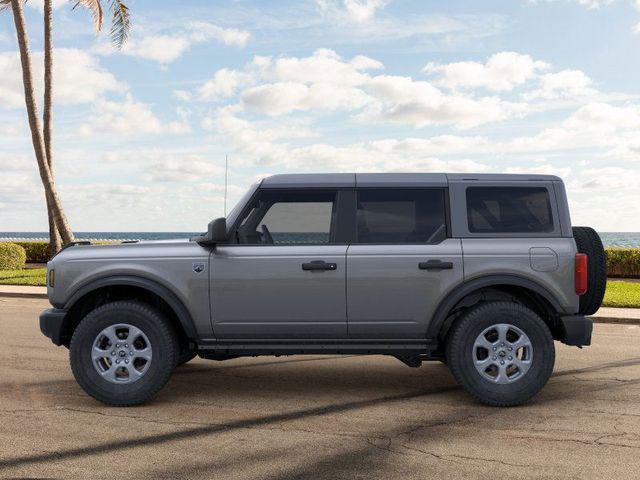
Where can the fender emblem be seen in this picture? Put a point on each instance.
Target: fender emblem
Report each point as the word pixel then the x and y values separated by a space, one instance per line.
pixel 198 267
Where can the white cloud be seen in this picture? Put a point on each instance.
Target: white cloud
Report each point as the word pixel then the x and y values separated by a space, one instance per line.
pixel 352 10
pixel 564 84
pixel 602 117
pixel 502 72
pixel 324 66
pixel 589 4
pixel 165 48
pixel 326 82
pixel 403 100
pixel 201 32
pixel 182 95
pixel 225 83
pixel 128 118
pixel 187 169
pixel 286 97
pixel 79 78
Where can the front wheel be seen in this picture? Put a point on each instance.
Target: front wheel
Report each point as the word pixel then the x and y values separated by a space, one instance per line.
pixel 501 352
pixel 122 353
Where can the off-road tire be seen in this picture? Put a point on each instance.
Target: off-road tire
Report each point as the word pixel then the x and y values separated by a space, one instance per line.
pixel 164 347
pixel 588 242
pixel 186 357
pixel 459 353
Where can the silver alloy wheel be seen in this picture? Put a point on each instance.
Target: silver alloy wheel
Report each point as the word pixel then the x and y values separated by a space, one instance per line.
pixel 121 353
pixel 502 353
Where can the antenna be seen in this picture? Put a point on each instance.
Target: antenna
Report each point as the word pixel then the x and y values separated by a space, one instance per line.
pixel 226 170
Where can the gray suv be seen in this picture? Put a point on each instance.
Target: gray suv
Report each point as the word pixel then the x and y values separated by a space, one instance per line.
pixel 482 272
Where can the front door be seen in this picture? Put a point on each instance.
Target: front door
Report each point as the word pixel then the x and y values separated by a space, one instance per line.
pixel 402 263
pixel 283 274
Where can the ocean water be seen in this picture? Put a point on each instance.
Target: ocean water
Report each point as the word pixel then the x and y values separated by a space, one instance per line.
pixel 609 239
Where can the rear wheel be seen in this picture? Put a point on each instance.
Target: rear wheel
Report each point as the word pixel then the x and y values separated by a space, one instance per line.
pixel 501 352
pixel 588 242
pixel 123 353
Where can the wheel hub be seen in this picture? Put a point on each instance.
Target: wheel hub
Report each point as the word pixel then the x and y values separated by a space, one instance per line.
pixel 121 353
pixel 502 353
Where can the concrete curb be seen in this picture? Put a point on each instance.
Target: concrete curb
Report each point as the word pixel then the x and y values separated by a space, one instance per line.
pixel 23 295
pixel 620 320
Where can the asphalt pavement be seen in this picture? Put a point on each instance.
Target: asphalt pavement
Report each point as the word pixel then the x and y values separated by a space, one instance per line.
pixel 317 417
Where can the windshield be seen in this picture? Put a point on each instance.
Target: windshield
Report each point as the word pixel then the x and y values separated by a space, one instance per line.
pixel 235 211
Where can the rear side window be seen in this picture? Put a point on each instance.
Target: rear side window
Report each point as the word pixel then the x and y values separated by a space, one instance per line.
pixel 401 216
pixel 509 210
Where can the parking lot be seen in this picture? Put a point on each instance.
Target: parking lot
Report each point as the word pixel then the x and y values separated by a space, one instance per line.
pixel 317 417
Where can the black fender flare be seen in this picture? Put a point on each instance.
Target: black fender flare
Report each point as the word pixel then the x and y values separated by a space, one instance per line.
pixel 470 286
pixel 181 311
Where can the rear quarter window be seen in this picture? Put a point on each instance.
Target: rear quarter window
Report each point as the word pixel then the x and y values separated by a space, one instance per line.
pixel 509 210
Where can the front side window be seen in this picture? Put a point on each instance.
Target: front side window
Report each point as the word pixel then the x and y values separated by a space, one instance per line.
pixel 285 218
pixel 509 210
pixel 401 216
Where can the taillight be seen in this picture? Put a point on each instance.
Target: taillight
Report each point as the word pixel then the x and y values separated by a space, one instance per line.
pixel 581 273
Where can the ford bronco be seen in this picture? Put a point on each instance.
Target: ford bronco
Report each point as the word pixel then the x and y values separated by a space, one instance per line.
pixel 481 272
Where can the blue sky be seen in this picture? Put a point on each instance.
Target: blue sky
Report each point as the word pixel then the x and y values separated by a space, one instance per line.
pixel 548 86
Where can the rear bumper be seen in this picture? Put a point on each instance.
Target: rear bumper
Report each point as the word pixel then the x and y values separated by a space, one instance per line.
pixel 52 323
pixel 576 330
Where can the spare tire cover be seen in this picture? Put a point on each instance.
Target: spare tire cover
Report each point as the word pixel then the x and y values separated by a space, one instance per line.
pixel 588 242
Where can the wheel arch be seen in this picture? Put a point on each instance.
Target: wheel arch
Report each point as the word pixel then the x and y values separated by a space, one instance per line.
pixel 111 288
pixel 534 294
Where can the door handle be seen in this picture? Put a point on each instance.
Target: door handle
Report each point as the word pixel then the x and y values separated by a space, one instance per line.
pixel 435 265
pixel 319 266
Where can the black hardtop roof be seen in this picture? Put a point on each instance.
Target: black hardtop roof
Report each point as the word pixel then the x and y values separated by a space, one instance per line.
pixel 345 180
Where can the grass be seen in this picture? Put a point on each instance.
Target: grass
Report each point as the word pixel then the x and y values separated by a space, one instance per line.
pixel 619 293
pixel 30 276
pixel 622 294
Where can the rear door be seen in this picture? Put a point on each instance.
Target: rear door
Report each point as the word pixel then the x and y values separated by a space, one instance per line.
pixel 402 262
pixel 284 277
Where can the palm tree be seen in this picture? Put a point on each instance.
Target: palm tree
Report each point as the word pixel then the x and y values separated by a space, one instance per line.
pixel 42 139
pixel 119 33
pixel 120 18
pixel 54 237
pixel 37 137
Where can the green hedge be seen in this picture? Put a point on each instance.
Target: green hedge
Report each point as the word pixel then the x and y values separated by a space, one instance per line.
pixel 623 262
pixel 37 252
pixel 12 256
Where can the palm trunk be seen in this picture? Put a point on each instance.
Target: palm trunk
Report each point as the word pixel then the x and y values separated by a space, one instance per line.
pixel 54 236
pixel 34 124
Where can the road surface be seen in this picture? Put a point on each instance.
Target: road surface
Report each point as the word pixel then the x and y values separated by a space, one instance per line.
pixel 317 417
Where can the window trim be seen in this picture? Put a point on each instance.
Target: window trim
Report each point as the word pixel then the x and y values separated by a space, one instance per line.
pixel 518 233
pixel 232 239
pixel 458 197
pixel 446 206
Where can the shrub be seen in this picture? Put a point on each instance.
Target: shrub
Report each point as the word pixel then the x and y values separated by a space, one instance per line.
pixel 37 252
pixel 12 256
pixel 623 262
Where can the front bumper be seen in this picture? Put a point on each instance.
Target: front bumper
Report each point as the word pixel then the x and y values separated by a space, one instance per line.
pixel 576 330
pixel 52 324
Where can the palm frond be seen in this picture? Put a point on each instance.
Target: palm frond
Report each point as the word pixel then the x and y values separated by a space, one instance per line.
pixel 5 5
pixel 120 23
pixel 95 7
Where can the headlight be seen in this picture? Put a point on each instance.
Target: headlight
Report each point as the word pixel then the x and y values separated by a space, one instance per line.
pixel 51 277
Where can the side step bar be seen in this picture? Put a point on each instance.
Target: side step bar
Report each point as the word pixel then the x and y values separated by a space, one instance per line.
pixel 242 347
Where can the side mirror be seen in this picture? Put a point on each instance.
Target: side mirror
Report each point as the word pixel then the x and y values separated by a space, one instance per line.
pixel 216 232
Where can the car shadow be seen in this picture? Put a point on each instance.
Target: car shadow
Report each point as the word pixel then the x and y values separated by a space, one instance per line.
pixel 310 384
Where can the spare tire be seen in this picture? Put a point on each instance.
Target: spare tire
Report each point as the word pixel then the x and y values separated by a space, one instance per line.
pixel 588 242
